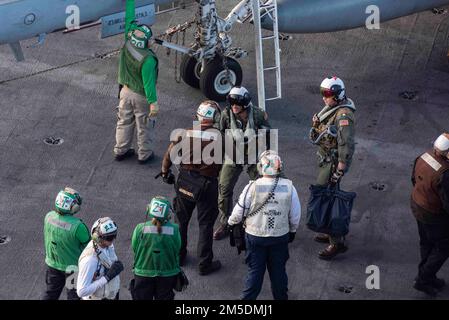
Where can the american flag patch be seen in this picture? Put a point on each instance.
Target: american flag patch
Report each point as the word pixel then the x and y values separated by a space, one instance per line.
pixel 344 122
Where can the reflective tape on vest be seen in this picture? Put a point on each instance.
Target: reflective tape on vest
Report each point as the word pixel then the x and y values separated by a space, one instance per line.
pixel 60 224
pixel 267 188
pixel 431 161
pixel 153 230
pixel 203 135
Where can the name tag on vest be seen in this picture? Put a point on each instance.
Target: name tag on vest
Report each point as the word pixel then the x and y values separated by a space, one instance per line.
pixel 60 224
pixel 431 161
pixel 153 230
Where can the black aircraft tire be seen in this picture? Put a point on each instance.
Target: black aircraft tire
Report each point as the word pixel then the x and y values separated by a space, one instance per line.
pixel 214 75
pixel 188 70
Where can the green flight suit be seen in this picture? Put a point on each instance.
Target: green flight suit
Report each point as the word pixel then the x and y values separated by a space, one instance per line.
pixel 332 150
pixel 230 173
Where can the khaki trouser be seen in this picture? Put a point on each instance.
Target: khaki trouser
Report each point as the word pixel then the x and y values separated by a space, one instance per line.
pixel 229 175
pixel 133 112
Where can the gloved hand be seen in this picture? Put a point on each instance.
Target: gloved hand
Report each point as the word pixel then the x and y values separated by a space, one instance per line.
pixel 336 177
pixel 168 177
pixel 291 236
pixel 115 269
pixel 154 110
pixel 315 121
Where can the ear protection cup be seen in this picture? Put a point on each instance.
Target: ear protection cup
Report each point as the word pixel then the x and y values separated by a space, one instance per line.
pixel 95 237
pixel 259 169
pixel 217 115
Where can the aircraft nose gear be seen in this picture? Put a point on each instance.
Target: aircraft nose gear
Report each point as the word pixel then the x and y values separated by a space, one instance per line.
pixel 190 71
pixel 209 63
pixel 218 78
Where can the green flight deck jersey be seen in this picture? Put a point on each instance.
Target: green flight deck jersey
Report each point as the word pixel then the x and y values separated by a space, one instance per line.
pixel 138 68
pixel 156 255
pixel 65 238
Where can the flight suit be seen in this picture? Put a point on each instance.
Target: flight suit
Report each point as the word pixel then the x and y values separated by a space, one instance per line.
pixel 334 149
pixel 230 173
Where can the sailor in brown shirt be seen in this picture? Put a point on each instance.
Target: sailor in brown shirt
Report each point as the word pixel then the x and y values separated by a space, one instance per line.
pixel 430 206
pixel 199 152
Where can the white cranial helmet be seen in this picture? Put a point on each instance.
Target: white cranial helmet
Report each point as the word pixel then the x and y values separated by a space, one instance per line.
pixel 270 164
pixel 442 143
pixel 104 229
pixel 208 111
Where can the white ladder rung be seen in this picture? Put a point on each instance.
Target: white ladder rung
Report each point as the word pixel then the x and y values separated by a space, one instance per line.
pixel 268 37
pixel 271 68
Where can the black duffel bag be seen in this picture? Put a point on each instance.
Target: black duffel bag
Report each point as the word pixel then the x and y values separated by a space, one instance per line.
pixel 329 210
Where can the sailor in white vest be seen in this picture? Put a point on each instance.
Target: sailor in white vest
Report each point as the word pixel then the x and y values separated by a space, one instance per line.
pixel 271 209
pixel 98 266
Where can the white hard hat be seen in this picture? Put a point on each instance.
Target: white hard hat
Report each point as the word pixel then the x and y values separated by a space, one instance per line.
pixel 270 164
pixel 105 229
pixel 442 143
pixel 333 87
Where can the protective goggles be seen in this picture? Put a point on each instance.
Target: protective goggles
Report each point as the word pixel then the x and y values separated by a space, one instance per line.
pixel 237 99
pixel 109 237
pixel 327 93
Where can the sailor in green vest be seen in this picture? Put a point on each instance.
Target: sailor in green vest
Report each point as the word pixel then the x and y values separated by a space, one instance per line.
pixel 65 238
pixel 156 245
pixel 242 118
pixel 137 76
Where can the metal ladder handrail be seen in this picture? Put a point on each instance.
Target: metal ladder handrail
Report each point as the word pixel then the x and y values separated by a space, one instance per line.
pixel 270 8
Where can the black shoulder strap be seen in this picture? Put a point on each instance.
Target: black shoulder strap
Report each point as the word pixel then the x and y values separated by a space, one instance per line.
pixel 413 179
pixel 256 211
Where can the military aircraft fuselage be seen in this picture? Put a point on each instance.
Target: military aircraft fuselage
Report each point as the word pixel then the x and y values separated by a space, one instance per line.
pixel 24 19
pixel 314 16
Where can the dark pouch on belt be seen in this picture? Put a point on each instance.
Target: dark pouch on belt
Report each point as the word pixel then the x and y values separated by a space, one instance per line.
pixel 190 185
pixel 181 281
pixel 237 237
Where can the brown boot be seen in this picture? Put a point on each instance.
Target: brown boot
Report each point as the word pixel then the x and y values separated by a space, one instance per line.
pixel 322 238
pixel 221 233
pixel 332 250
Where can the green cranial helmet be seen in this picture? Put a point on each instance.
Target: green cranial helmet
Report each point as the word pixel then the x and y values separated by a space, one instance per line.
pixel 159 208
pixel 139 41
pixel 68 201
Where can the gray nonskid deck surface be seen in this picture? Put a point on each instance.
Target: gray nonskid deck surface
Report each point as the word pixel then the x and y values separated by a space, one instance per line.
pixel 64 89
